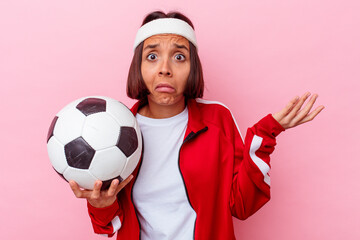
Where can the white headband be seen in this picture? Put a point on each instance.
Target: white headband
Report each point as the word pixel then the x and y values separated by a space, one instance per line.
pixel 163 26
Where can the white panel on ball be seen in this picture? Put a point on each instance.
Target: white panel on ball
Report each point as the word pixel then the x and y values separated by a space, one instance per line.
pixel 81 176
pixel 101 131
pixel 69 125
pixel 57 155
pixel 120 112
pixel 133 160
pixel 107 163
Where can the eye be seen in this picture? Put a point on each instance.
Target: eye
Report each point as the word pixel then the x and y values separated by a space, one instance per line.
pixel 180 57
pixel 151 57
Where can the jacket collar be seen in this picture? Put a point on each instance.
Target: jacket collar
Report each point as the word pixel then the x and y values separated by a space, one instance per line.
pixel 195 122
pixel 136 107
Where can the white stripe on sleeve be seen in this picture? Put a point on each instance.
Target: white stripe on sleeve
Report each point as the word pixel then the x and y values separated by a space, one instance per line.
pixel 116 223
pixel 263 166
pixel 104 235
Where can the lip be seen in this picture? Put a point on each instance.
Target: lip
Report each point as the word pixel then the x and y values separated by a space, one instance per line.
pixel 164 88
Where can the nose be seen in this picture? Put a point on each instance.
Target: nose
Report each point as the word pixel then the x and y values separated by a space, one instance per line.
pixel 165 69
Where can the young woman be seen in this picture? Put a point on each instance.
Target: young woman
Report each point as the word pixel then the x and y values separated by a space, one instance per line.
pixel 196 170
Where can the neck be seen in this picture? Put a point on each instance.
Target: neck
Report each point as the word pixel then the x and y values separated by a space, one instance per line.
pixel 153 110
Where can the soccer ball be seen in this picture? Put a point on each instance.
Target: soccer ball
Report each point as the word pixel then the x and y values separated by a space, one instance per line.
pixel 94 138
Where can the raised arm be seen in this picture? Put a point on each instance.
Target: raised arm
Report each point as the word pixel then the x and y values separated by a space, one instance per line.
pixel 251 181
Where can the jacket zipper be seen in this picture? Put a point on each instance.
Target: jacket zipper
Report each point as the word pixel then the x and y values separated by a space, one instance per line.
pixel 189 137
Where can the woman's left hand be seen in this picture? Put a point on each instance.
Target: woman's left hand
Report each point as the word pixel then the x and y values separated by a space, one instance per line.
pixel 293 114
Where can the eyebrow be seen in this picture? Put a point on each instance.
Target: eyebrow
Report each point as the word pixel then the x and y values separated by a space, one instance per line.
pixel 151 46
pixel 181 46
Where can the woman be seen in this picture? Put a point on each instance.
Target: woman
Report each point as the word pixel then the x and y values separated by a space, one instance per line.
pixel 196 171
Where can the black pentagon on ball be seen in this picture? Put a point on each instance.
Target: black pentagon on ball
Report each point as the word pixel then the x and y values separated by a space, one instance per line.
pixel 106 184
pixel 91 106
pixel 127 141
pixel 51 128
pixel 79 153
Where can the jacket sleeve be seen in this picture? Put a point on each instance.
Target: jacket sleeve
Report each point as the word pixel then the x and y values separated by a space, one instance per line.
pixel 251 181
pixel 106 221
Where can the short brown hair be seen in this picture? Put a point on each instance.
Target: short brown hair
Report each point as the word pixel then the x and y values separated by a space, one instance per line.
pixel 136 87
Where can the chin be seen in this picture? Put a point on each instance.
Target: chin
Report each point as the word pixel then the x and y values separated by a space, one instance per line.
pixel 168 100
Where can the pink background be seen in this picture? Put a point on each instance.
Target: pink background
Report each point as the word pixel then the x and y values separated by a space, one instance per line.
pixel 256 55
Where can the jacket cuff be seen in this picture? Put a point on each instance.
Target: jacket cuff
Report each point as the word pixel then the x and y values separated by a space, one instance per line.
pixel 103 214
pixel 270 125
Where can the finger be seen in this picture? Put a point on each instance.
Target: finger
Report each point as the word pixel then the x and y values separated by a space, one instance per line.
pixel 113 188
pixel 292 104
pixel 124 183
pixel 285 111
pixel 304 112
pixel 298 105
pixel 95 194
pixel 76 189
pixel 312 115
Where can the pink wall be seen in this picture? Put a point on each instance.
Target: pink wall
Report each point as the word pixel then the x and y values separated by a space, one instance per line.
pixel 256 55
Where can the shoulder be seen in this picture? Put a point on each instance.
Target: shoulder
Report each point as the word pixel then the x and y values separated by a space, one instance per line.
pixel 215 112
pixel 216 115
pixel 213 108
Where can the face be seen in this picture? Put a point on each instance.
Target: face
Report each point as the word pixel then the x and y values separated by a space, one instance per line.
pixel 165 68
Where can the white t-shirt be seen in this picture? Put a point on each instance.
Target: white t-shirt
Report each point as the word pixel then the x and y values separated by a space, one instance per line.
pixel 159 192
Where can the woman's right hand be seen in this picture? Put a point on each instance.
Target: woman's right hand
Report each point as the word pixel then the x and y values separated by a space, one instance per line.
pixel 98 198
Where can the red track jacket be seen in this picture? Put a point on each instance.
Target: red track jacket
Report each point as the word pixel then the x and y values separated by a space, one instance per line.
pixel 224 176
